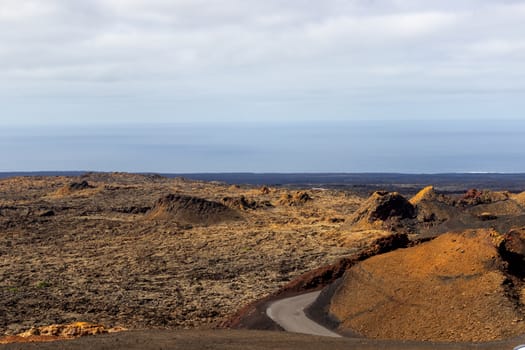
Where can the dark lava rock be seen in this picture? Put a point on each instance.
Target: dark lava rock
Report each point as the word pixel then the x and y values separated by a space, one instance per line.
pixel 514 242
pixel 383 206
pixel 487 217
pixel 512 250
pixel 78 186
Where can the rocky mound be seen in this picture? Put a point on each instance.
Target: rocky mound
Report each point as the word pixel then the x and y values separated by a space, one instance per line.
pixel 244 203
pixel 519 198
pixel 430 213
pixel 476 197
pixel 294 200
pixel 188 210
pixel 457 287
pixel 264 190
pixel 78 186
pixel 438 213
pixel 426 194
pixel 74 187
pixel 383 210
pixel 495 204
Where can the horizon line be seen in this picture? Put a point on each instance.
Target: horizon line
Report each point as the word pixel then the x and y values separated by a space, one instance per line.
pixel 258 173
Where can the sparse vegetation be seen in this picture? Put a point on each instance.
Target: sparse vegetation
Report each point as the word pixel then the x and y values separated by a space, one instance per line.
pixel 147 252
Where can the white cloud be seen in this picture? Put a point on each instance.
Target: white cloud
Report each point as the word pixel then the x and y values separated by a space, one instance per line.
pixel 383 27
pixel 263 49
pixel 497 47
pixel 16 10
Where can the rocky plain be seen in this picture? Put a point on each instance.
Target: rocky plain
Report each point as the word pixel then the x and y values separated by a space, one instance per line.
pixel 102 253
pixel 138 251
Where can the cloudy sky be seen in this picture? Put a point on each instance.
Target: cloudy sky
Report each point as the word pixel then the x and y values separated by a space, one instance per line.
pixel 91 61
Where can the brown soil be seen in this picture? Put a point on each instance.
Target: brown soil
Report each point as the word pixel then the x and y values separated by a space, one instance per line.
pixel 236 340
pixel 455 288
pixel 10 339
pixel 94 255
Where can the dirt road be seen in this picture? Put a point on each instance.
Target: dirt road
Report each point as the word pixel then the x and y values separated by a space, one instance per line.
pixel 289 314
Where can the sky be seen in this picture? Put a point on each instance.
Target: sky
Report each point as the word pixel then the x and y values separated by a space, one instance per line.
pixel 185 61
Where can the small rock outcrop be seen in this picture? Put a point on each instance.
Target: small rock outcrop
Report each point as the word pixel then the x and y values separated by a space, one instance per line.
pixel 477 197
pixel 433 209
pixel 514 242
pixel 244 203
pixel 188 210
pixel 486 216
pixel 59 332
pixel 519 198
pixel 74 187
pixel 265 190
pixel 77 329
pixel 383 210
pixel 294 200
pixel 78 186
pixel 512 250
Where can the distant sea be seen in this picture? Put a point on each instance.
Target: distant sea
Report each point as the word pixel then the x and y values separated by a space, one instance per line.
pixel 358 146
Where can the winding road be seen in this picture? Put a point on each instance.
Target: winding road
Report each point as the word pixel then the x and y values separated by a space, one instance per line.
pixel 289 314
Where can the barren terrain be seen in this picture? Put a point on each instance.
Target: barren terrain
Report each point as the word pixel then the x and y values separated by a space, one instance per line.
pixel 96 248
pixel 138 252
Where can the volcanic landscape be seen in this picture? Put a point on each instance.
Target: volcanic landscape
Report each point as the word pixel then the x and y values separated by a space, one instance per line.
pixel 105 252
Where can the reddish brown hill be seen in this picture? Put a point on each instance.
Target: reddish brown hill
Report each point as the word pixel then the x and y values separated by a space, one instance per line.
pixel 457 287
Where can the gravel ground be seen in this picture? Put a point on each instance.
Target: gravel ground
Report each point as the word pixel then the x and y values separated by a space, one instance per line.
pixel 236 340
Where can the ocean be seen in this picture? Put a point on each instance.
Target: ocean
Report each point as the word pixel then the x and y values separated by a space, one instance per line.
pixel 356 146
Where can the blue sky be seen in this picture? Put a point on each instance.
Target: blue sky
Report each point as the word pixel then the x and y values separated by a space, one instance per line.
pixel 94 61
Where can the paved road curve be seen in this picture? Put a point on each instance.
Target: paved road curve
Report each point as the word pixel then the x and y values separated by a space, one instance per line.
pixel 289 314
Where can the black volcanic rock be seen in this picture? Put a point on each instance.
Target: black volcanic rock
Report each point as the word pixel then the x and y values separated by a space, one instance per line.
pixel 78 186
pixel 380 210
